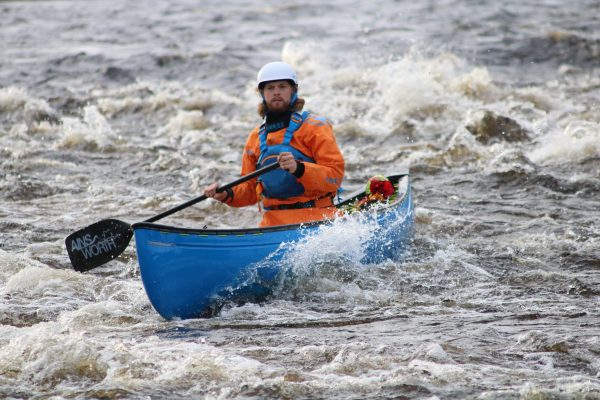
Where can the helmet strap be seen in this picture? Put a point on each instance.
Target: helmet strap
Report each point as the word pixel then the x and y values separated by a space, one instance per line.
pixel 294 98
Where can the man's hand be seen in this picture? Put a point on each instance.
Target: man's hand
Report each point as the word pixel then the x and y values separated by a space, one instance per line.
pixel 287 162
pixel 211 191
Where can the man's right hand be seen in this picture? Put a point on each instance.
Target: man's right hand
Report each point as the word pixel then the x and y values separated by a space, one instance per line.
pixel 211 191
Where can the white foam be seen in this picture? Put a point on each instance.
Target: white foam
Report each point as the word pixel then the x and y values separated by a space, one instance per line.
pixel 327 264
pixel 412 83
pixel 463 147
pixel 125 310
pixel 442 372
pixel 432 352
pixel 36 281
pixel 91 132
pixel 183 122
pixel 45 354
pixel 150 97
pixel 578 140
pixel 571 387
pixel 542 361
pixel 11 264
pixel 412 86
pixel 351 360
pixel 12 98
pixel 303 57
pixel 343 239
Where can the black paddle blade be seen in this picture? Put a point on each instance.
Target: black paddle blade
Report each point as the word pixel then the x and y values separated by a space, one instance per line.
pixel 98 243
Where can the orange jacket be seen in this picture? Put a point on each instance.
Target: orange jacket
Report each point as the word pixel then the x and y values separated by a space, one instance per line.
pixel 320 180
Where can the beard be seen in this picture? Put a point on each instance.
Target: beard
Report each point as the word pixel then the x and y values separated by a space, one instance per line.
pixel 263 109
pixel 278 105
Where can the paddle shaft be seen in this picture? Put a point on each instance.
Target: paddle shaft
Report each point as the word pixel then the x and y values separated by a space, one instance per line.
pixel 229 185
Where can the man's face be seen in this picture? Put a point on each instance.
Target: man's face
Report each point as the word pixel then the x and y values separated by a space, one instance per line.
pixel 278 95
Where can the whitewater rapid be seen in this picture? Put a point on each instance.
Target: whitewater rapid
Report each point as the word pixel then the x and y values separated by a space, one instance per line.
pixel 124 110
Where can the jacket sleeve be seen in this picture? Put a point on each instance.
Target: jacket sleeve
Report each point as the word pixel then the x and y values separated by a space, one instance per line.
pixel 326 174
pixel 244 194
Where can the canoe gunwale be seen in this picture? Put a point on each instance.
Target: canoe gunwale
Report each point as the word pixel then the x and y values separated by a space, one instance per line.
pixel 258 231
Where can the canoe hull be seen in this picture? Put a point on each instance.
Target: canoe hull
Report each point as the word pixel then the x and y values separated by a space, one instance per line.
pixel 186 271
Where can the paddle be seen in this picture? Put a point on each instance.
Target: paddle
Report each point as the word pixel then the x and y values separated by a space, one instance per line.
pixel 102 241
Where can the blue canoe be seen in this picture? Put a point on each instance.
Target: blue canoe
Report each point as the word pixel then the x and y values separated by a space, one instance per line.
pixel 186 272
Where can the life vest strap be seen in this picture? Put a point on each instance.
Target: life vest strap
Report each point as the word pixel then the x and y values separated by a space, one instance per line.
pixel 296 121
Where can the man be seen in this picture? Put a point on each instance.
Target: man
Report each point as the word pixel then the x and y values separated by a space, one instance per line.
pixel 311 164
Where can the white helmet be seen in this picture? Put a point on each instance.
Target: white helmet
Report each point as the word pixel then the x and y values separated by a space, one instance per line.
pixel 276 71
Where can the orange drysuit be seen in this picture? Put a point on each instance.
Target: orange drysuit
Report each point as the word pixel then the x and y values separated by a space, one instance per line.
pixel 321 179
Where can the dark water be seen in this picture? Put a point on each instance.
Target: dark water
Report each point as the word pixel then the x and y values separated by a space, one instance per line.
pixel 126 109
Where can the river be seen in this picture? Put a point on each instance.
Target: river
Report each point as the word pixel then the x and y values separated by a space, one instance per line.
pixel 125 109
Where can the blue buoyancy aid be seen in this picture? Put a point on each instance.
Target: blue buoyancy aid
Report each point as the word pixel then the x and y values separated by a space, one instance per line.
pixel 280 184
